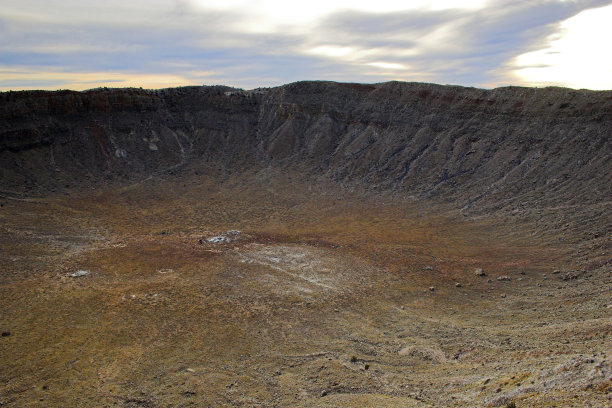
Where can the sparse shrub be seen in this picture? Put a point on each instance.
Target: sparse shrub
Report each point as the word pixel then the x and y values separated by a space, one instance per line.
pixel 511 404
pixel 367 366
pixel 353 359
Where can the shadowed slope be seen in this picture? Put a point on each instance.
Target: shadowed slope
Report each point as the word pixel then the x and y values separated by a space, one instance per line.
pixel 502 147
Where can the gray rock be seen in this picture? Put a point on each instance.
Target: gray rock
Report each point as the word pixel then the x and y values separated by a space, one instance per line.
pixel 503 278
pixel 429 140
pixel 218 239
pixel 224 238
pixel 79 273
pixel 570 276
pixel 480 272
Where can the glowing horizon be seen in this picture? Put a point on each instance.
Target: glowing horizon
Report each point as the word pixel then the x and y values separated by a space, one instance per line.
pixel 248 44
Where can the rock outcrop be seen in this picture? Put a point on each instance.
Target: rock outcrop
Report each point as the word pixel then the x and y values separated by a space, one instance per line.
pixel 466 145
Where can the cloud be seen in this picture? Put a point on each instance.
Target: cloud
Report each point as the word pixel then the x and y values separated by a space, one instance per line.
pixel 452 46
pixel 27 78
pixel 269 42
pixel 573 56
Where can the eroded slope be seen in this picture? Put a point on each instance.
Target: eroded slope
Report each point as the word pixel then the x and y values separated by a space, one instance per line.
pixel 501 148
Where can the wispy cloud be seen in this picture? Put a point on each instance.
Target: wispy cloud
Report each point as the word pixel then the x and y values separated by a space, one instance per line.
pixel 158 43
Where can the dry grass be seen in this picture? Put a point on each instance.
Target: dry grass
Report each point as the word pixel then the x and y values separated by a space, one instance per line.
pixel 274 318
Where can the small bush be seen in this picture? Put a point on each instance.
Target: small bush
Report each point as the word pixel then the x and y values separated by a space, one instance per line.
pixel 353 359
pixel 511 404
pixel 367 366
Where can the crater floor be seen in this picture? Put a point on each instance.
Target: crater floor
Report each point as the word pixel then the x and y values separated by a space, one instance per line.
pixel 326 298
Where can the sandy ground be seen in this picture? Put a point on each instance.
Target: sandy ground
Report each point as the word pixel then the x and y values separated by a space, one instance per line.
pixel 325 299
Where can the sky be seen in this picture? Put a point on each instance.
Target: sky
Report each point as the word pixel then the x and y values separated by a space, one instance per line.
pixel 82 44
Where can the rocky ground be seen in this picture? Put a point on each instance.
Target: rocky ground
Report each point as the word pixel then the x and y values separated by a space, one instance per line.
pixel 317 244
pixel 318 297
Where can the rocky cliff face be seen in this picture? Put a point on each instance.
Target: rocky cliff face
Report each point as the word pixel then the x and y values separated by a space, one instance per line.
pixel 518 145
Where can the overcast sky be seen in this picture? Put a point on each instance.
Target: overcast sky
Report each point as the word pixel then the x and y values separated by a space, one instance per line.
pixel 81 44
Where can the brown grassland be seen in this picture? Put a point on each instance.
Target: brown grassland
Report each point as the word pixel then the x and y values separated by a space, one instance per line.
pixel 324 300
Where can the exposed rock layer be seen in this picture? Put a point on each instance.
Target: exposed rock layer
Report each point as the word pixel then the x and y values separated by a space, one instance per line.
pixel 518 145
